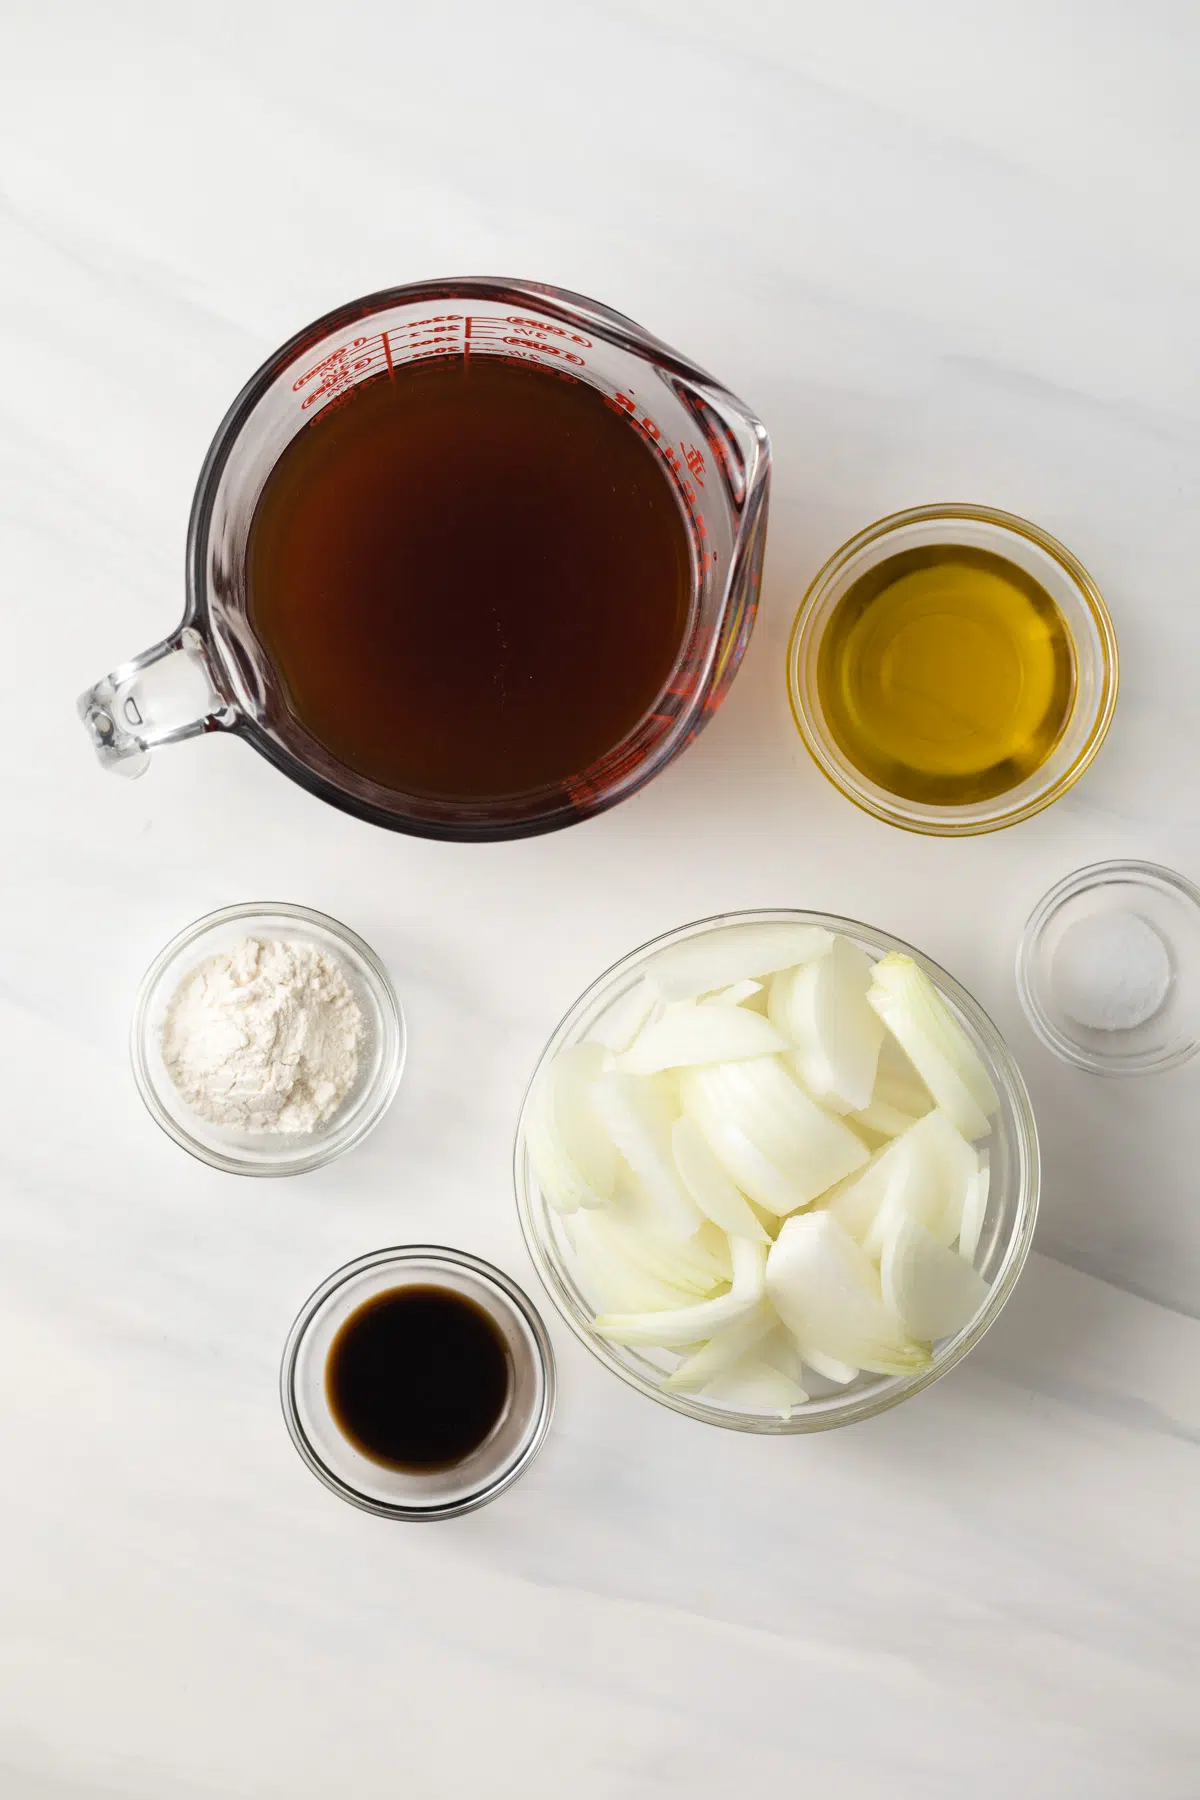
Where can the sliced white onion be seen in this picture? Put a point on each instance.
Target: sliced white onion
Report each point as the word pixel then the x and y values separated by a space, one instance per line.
pixel 758 1387
pixel 914 1191
pixel 708 1184
pixel 882 1118
pixel 614 1278
pixel 830 1368
pixel 700 1034
pixel 736 995
pixel 974 1211
pixel 780 1148
pixel 716 1246
pixel 700 1265
pixel 779 1349
pixel 572 1154
pixel 924 1173
pixel 695 1324
pixel 638 1116
pixel 620 1023
pixel 937 1045
pixel 930 1184
pixel 897 1083
pixel 855 1201
pixel 931 1290
pixel 822 1009
pixel 827 1292
pixel 735 953
pixel 723 1349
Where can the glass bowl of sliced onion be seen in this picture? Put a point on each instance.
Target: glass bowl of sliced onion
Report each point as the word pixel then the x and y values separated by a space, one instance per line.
pixel 777 1170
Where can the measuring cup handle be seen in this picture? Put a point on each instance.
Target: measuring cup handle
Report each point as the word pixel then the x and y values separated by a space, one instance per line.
pixel 166 694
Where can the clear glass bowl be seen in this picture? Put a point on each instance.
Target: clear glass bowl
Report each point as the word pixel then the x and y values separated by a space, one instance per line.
pixel 1159 898
pixel 1066 581
pixel 381 1054
pixel 442 1493
pixel 1004 1242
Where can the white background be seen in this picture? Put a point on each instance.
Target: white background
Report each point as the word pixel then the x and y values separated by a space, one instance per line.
pixel 948 251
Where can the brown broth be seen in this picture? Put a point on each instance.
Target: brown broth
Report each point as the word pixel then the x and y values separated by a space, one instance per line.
pixel 417 1378
pixel 472 579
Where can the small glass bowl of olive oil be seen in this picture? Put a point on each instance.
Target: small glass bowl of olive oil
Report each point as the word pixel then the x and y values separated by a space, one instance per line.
pixel 953 669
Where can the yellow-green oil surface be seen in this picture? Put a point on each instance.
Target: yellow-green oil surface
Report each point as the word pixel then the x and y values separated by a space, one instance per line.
pixel 946 675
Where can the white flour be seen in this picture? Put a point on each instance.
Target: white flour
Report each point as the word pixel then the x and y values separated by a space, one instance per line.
pixel 264 1036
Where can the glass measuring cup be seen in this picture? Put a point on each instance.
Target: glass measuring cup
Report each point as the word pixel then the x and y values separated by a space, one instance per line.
pixel 213 674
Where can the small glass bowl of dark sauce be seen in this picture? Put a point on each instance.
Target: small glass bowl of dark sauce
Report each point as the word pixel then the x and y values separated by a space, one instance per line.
pixel 418 1383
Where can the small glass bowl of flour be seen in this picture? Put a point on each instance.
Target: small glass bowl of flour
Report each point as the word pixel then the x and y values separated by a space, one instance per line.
pixel 267 1039
pixel 1108 968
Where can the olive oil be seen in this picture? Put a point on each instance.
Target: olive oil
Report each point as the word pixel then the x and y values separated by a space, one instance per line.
pixel 946 674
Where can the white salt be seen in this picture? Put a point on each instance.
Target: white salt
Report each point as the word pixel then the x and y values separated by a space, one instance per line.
pixel 1111 971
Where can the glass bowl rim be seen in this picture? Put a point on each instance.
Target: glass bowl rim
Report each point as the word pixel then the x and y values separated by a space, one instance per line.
pixel 842 774
pixel 1081 881
pixel 445 1256
pixel 327 1148
pixel 898 1388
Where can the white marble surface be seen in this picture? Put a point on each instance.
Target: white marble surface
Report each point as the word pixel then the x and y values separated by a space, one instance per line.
pixel 948 251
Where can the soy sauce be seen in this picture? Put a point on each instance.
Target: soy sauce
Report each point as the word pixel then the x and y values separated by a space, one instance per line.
pixel 417 1378
pixel 473 578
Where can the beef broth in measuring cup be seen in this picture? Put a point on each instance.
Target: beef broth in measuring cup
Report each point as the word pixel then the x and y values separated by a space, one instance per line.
pixel 472 578
pixel 471 559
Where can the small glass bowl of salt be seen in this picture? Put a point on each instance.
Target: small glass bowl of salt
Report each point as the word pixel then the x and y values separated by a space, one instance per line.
pixel 267 1039
pixel 1108 968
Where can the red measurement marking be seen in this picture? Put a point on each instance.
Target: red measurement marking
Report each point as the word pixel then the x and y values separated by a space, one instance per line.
pixel 557 330
pixel 545 349
pixel 433 319
pixel 694 459
pixel 467 341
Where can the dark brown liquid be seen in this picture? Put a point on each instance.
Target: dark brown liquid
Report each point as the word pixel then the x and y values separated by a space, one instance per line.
pixel 417 1378
pixel 473 579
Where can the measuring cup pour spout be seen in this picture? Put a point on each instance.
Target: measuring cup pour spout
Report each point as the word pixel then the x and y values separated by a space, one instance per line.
pixel 216 673
pixel 163 696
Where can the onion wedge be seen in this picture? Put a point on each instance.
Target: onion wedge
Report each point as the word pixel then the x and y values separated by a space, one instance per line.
pixel 898 1084
pixel 779 1349
pixel 638 1116
pixel 821 1008
pixel 826 1291
pixel 695 1324
pixel 779 1147
pixel 883 1119
pixel 936 1044
pixel 572 1154
pixel 974 1210
pixel 737 953
pixel 708 1184
pixel 736 995
pixel 723 1349
pixel 700 1034
pixel 830 1368
pixel 614 1276
pixel 697 1265
pixel 932 1291
pixel 758 1386
pixel 924 1173
pixel 930 1184
pixel 620 1023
